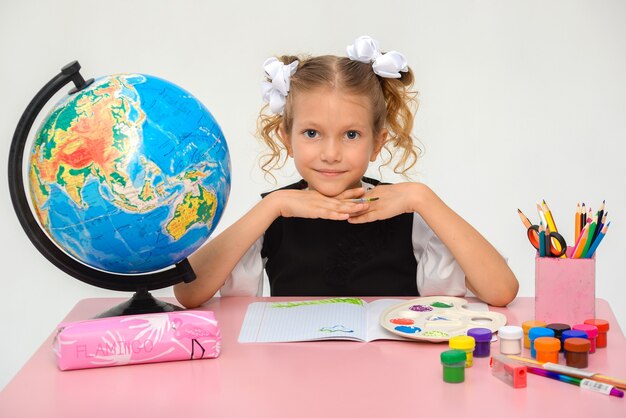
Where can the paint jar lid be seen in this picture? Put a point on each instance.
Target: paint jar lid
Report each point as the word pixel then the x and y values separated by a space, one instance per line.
pixel 537 332
pixel 462 342
pixel 602 324
pixel 590 330
pixel 577 345
pixel 480 334
pixel 453 356
pixel 558 328
pixel 573 333
pixel 547 344
pixel 510 332
pixel 527 325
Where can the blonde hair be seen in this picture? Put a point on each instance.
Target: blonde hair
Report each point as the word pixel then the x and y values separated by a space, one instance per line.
pixel 393 106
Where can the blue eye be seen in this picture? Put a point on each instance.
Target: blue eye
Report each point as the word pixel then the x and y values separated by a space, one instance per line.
pixel 352 135
pixel 310 133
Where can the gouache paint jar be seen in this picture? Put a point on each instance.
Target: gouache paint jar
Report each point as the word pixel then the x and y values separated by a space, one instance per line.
pixel 511 339
pixel 547 349
pixel 577 352
pixel 466 344
pixel 482 337
pixel 592 334
pixel 526 326
pixel 603 329
pixel 558 329
pixel 453 362
pixel 571 333
pixel 535 333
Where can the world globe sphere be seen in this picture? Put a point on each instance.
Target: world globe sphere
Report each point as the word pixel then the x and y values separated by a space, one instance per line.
pixel 130 174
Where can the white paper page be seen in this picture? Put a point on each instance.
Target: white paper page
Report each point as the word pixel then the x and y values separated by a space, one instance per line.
pixel 305 320
pixel 374 330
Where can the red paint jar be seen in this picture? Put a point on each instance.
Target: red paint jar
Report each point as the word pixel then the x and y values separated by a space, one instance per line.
pixel 603 329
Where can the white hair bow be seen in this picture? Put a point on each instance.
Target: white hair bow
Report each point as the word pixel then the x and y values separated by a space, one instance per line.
pixel 275 91
pixel 387 65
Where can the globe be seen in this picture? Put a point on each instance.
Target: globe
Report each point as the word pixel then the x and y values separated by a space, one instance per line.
pixel 128 175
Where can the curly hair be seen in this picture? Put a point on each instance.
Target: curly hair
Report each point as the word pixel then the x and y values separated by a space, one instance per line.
pixel 393 105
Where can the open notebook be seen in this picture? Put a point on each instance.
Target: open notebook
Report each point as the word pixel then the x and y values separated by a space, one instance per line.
pixel 322 319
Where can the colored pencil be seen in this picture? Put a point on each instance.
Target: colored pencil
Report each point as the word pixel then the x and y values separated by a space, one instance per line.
pixel 363 199
pixel 524 219
pixel 549 218
pixel 600 214
pixel 577 222
pixel 542 240
pixel 580 245
pixel 572 371
pixel 592 230
pixel 597 241
pixel 568 379
pixel 583 212
pixel 542 216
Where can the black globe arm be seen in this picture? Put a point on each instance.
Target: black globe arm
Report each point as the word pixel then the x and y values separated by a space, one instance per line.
pixel 182 271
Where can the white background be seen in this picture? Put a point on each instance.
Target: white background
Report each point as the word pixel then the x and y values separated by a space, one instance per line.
pixel 520 101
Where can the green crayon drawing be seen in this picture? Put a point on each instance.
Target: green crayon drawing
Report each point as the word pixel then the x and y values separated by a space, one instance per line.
pixel 353 301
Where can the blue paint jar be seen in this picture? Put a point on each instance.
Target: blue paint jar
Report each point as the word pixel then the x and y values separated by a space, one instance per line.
pixel 572 333
pixel 535 333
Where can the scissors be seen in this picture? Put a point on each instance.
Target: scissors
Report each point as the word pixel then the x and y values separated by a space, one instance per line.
pixel 557 246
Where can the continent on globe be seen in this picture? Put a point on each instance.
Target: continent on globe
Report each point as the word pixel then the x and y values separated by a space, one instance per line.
pixel 192 210
pixel 130 174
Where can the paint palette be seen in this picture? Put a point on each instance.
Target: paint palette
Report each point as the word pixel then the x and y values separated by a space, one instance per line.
pixel 437 318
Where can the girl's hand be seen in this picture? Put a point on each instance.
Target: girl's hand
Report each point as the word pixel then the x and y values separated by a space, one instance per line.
pixel 394 199
pixel 312 204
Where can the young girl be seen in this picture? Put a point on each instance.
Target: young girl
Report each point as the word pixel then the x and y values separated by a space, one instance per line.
pixel 336 233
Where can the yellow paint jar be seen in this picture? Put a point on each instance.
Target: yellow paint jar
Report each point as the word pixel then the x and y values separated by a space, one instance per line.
pixel 464 343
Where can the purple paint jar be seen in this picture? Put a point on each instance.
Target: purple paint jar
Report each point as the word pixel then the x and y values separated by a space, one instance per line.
pixel 483 341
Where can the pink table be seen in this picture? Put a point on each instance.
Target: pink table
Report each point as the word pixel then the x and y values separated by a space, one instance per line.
pixel 333 378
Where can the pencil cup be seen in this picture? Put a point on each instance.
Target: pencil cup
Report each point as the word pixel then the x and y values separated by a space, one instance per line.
pixel 565 289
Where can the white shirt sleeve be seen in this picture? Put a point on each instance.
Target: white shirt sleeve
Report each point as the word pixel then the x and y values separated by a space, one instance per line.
pixel 438 273
pixel 246 279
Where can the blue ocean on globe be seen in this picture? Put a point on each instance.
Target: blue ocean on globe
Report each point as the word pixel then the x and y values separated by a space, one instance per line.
pixel 129 175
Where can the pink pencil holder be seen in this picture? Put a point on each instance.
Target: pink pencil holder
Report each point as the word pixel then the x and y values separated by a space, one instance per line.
pixel 565 289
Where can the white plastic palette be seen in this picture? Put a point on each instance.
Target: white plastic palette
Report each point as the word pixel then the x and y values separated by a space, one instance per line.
pixel 437 318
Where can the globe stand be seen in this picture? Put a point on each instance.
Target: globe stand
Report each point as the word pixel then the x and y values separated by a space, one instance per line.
pixel 142 302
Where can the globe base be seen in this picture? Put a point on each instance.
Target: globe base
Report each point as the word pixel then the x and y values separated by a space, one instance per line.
pixel 142 302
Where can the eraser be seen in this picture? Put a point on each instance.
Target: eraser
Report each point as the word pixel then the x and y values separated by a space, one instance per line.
pixel 509 371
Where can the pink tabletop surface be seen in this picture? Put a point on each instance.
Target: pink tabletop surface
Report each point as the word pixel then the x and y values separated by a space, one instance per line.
pixel 330 378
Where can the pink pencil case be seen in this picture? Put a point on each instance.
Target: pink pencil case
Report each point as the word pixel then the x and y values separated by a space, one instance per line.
pixel 137 339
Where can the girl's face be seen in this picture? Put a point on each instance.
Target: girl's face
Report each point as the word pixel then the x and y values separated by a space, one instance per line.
pixel 332 140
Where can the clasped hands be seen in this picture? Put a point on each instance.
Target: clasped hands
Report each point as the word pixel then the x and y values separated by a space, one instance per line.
pixel 393 199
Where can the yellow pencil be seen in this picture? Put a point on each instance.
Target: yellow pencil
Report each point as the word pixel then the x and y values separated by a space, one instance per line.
pixel 549 218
